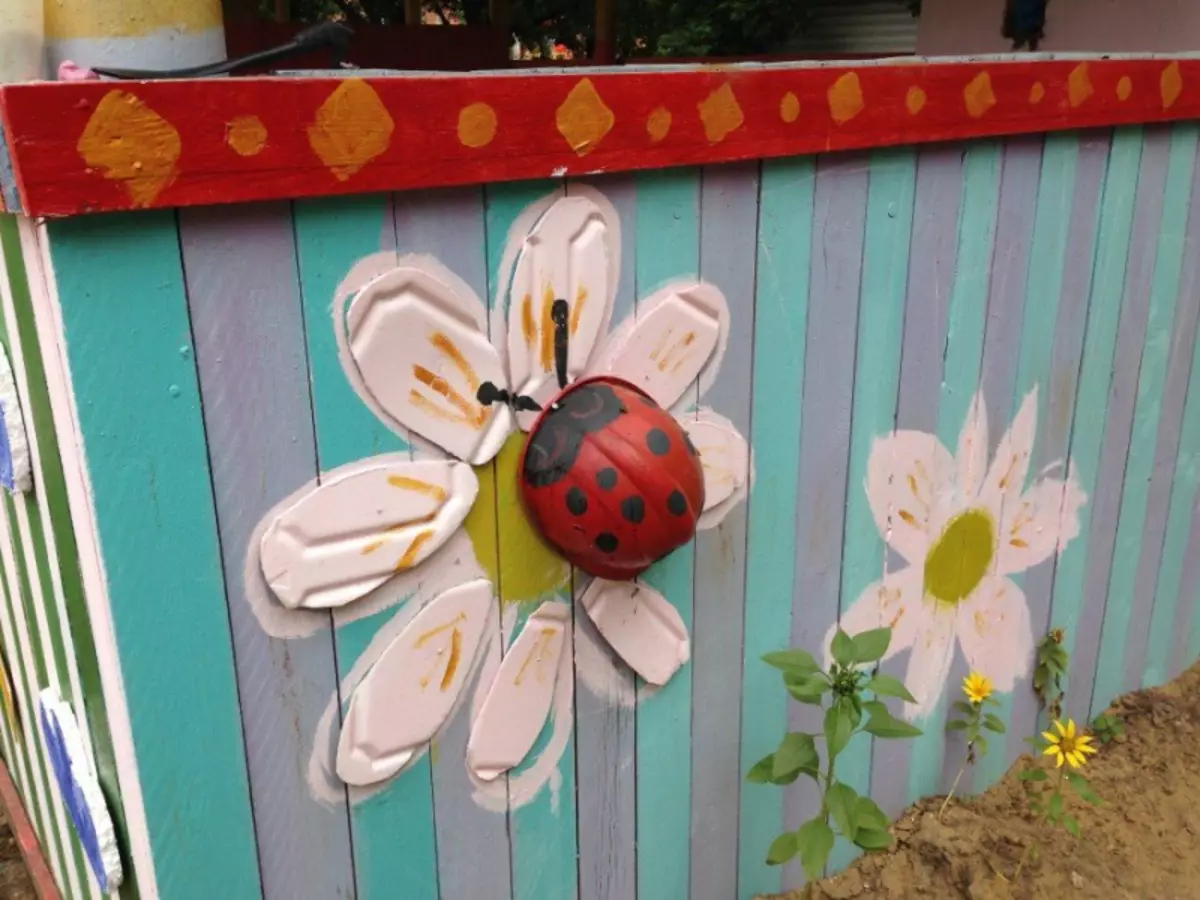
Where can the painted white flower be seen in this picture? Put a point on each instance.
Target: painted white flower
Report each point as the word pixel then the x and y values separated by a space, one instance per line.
pixel 422 528
pixel 962 527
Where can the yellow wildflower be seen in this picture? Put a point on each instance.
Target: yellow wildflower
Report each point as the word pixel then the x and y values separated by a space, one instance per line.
pixel 977 687
pixel 1068 745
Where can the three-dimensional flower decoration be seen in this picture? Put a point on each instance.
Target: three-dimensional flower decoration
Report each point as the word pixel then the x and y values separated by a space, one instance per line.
pixel 421 528
pixel 962 527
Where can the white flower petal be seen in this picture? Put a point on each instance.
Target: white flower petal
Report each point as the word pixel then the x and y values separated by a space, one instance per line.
pixel 675 336
pixel 415 348
pixel 972 455
pixel 994 629
pixel 566 256
pixel 410 693
pixel 910 483
pixel 1006 479
pixel 641 626
pixel 932 653
pixel 519 700
pixel 1044 520
pixel 725 458
pixel 364 523
pixel 896 602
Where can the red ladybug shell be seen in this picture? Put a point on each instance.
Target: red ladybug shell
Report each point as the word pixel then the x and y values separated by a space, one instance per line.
pixel 610 478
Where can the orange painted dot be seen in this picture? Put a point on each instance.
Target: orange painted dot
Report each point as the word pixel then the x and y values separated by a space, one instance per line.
pixel 978 95
pixel 789 107
pixel 720 114
pixel 1171 84
pixel 845 98
pixel 915 100
pixel 1079 85
pixel 658 124
pixel 476 125
pixel 1124 87
pixel 1037 93
pixel 246 135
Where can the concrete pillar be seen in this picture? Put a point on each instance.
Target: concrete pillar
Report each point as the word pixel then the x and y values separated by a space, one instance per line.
pixel 134 34
pixel 21 57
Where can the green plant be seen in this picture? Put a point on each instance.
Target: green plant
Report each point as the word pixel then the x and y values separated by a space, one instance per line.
pixel 1049 671
pixel 1107 727
pixel 847 692
pixel 978 690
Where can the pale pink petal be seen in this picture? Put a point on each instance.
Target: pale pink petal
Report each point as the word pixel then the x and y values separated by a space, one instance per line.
pixel 994 629
pixel 910 482
pixel 896 601
pixel 1043 521
pixel 414 346
pixel 929 664
pixel 641 626
pixel 362 525
pixel 725 458
pixel 519 700
pixel 671 340
pixel 1006 479
pixel 566 256
pixel 973 450
pixel 411 691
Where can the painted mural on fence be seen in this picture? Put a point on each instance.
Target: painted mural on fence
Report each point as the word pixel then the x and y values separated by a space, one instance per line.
pixel 962 527
pixel 421 529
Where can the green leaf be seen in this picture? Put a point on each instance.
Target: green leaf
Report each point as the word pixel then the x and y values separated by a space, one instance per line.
pixel 842 648
pixel 783 848
pixel 808 689
pixel 1071 825
pixel 1083 788
pixel 816 840
pixel 873 839
pixel 871 645
pixel 981 744
pixel 868 815
pixel 798 661
pixel 762 771
pixel 887 686
pixel 841 800
pixel 796 753
pixel 964 707
pixel 993 722
pixel 1032 775
pixel 838 729
pixel 1055 809
pixel 956 725
pixel 885 725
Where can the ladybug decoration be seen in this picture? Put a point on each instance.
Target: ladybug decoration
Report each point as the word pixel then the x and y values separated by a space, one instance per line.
pixel 610 478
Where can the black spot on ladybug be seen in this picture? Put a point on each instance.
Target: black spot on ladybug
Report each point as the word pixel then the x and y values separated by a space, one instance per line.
pixel 607 542
pixel 687 439
pixel 677 503
pixel 577 501
pixel 607 479
pixel 658 442
pixel 633 509
pixel 554 446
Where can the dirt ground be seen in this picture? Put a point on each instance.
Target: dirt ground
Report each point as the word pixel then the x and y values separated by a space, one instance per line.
pixel 1143 843
pixel 14 879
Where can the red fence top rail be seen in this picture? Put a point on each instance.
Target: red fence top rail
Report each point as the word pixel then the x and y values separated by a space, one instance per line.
pixel 75 148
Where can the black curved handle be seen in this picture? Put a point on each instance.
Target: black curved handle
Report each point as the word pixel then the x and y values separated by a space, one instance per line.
pixel 332 35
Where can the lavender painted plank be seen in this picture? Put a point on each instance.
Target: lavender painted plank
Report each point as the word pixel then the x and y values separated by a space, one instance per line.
pixel 839 223
pixel 940 181
pixel 728 223
pixel 472 843
pixel 604 730
pixel 1057 396
pixel 244 297
pixel 1110 475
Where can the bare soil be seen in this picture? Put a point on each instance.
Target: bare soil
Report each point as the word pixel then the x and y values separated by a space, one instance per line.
pixel 1143 843
pixel 14 878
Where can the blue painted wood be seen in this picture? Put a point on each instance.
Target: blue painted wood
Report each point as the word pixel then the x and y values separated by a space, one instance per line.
pixel 932 254
pixel 1139 528
pixel 668 230
pixel 961 366
pixel 393 831
pixel 145 447
pixel 1110 477
pixel 1087 436
pixel 728 222
pixel 780 326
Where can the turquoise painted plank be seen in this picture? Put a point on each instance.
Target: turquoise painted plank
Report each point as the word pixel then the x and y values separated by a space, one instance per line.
pixel 121 290
pixel 393 831
pixel 1087 439
pixel 1164 292
pixel 668 230
pixel 890 197
pixel 543 832
pixel 960 380
pixel 1043 288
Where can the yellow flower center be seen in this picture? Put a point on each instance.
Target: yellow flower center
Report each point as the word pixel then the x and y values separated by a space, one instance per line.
pixel 960 557
pixel 513 555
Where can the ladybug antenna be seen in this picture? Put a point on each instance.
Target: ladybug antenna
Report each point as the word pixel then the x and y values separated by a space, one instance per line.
pixel 558 313
pixel 488 394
